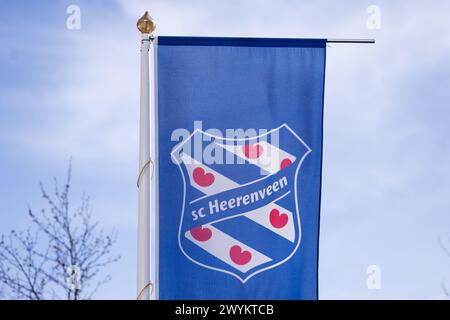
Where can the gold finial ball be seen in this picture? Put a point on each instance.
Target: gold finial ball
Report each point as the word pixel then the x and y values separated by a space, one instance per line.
pixel 146 24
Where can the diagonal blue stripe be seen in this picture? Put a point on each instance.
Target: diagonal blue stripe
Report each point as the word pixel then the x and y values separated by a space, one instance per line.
pixel 257 237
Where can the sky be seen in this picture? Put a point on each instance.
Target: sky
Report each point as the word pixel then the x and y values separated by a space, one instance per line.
pixel 386 174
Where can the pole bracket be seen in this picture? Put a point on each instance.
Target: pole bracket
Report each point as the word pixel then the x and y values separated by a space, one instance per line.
pixel 141 172
pixel 148 285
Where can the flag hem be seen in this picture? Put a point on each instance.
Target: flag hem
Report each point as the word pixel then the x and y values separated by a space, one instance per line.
pixel 241 42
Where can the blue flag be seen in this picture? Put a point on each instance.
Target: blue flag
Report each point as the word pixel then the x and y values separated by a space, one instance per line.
pixel 240 155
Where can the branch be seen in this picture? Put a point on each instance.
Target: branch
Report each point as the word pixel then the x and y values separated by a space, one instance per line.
pixel 72 239
pixel 444 247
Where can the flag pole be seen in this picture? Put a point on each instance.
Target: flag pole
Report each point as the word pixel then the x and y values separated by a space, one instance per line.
pixel 368 41
pixel 146 182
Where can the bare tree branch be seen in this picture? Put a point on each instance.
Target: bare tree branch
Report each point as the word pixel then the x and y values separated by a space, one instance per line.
pixel 445 245
pixel 35 264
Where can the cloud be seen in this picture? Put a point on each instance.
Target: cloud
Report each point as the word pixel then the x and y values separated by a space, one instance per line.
pixel 386 154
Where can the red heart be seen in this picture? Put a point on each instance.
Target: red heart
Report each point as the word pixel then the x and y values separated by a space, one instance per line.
pixel 252 151
pixel 285 163
pixel 278 220
pixel 201 233
pixel 203 179
pixel 239 256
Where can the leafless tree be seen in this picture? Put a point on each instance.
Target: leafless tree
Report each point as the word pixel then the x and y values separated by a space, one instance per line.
pixel 445 246
pixel 60 256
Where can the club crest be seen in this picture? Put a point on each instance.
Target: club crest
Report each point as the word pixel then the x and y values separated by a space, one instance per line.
pixel 240 213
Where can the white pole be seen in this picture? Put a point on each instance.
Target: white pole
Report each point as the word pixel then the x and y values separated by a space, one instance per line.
pixel 146 181
pixel 154 191
pixel 144 177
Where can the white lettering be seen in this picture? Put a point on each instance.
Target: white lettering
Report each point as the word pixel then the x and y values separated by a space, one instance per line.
pixel 224 205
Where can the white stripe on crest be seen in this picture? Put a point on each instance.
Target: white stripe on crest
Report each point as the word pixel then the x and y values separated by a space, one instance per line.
pixel 262 154
pixel 230 250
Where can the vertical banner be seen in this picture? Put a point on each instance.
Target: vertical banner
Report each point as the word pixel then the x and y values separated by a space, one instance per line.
pixel 240 155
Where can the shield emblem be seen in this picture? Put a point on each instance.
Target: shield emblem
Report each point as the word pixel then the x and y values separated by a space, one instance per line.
pixel 240 211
